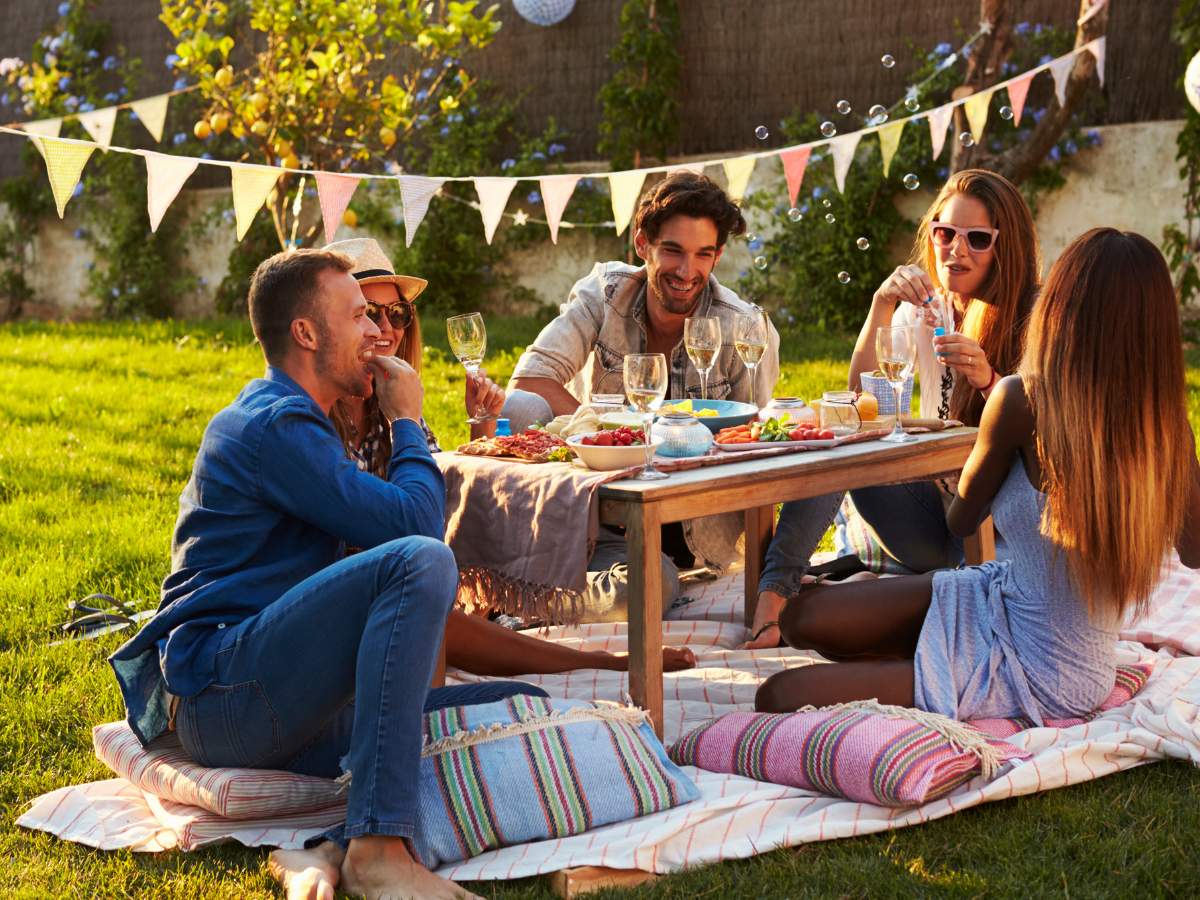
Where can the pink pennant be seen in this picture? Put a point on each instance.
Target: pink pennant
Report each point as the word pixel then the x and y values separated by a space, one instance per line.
pixel 939 121
pixel 1017 91
pixel 795 161
pixel 556 193
pixel 334 191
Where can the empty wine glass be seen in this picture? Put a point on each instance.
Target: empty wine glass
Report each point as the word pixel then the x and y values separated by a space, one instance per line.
pixel 645 386
pixel 702 340
pixel 468 341
pixel 896 351
pixel 750 333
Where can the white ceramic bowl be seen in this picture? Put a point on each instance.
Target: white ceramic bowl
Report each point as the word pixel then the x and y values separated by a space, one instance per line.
pixel 605 459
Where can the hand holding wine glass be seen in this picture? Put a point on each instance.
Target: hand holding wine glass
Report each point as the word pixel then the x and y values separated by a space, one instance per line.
pixel 468 341
pixel 896 351
pixel 702 340
pixel 750 334
pixel 646 378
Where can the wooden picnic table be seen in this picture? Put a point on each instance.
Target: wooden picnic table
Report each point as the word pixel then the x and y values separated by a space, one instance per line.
pixel 754 487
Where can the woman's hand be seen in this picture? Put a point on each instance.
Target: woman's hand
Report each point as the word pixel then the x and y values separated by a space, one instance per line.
pixel 907 284
pixel 484 395
pixel 964 355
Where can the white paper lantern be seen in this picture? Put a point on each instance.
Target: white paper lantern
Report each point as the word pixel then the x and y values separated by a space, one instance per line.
pixel 544 12
pixel 1191 82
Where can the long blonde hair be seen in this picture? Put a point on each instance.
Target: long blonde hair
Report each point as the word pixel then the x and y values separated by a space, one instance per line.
pixel 996 318
pixel 1103 368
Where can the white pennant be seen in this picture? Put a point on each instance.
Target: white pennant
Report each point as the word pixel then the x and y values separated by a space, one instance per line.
pixel 152 112
pixel 939 121
pixel 556 193
pixel 625 188
pixel 1097 50
pixel 165 176
pixel 493 197
pixel 843 149
pixel 50 128
pixel 99 124
pixel 416 191
pixel 1061 70
pixel 737 172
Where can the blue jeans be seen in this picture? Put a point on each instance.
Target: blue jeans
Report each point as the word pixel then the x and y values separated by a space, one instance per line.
pixel 338 668
pixel 802 524
pixel 909 523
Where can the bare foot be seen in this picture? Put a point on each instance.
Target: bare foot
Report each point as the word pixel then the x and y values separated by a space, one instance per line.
pixel 762 636
pixel 382 868
pixel 676 659
pixel 307 874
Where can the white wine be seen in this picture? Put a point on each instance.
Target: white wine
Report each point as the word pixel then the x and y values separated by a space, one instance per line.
pixel 749 351
pixel 470 350
pixel 702 357
pixel 895 370
pixel 644 401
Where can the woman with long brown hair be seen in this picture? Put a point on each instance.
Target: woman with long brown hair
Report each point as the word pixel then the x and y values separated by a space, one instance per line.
pixel 1086 459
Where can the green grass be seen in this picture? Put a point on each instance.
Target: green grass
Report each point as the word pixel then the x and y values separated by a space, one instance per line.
pixel 100 424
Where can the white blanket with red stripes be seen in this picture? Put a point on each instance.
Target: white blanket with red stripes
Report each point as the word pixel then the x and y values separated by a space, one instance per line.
pixel 735 817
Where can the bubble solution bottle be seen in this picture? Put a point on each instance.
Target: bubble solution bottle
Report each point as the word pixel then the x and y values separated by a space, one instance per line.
pixel 503 429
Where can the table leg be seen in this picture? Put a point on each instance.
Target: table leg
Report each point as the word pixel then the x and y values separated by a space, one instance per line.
pixel 760 526
pixel 644 539
pixel 980 546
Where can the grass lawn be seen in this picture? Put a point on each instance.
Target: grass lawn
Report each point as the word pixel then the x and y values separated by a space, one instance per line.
pixel 100 424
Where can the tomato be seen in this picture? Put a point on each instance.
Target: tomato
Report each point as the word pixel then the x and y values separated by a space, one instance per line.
pixel 825 435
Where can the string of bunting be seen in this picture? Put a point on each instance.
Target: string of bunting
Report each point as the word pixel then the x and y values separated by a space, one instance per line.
pixel 251 184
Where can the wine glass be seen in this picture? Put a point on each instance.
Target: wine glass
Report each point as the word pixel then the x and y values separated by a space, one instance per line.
pixel 468 341
pixel 702 340
pixel 896 350
pixel 750 332
pixel 645 386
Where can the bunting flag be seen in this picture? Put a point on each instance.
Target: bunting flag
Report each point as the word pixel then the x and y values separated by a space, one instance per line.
pixel 1061 70
pixel 843 148
pixel 99 124
pixel 165 176
pixel 625 188
pixel 696 168
pixel 493 197
pixel 939 121
pixel 251 185
pixel 737 173
pixel 64 165
pixel 1017 91
pixel 976 107
pixel 50 128
pixel 889 142
pixel 795 161
pixel 415 192
pixel 334 192
pixel 152 112
pixel 1096 48
pixel 556 193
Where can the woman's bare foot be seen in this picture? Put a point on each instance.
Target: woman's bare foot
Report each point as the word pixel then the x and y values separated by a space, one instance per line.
pixel 676 659
pixel 307 874
pixel 382 868
pixel 762 635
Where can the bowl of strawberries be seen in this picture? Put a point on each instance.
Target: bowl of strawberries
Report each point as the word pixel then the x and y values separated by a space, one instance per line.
pixel 612 448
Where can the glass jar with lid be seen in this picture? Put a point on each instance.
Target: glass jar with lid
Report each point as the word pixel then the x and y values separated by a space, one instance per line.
pixel 796 410
pixel 682 434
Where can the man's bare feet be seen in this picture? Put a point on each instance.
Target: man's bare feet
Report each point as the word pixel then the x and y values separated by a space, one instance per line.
pixel 382 868
pixel 762 636
pixel 307 874
pixel 676 659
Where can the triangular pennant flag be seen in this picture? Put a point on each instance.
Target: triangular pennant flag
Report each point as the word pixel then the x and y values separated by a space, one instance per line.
pixel 64 164
pixel 1096 48
pixel 493 197
pixel 1017 91
pixel 165 176
pixel 625 188
pixel 889 142
pixel 795 161
pixel 696 168
pixel 1061 70
pixel 99 124
pixel 939 121
pixel 251 184
pixel 843 148
pixel 50 128
pixel 556 193
pixel 152 111
pixel 976 108
pixel 737 172
pixel 416 191
pixel 334 192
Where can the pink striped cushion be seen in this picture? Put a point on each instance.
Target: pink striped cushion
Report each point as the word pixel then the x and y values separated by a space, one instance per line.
pixel 165 771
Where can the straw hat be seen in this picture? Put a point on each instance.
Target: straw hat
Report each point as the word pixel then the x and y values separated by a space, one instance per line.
pixel 372 266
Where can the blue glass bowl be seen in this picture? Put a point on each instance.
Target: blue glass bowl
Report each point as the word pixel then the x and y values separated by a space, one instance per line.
pixel 729 413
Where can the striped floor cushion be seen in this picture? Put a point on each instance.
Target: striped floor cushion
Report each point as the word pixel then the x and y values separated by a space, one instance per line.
pixel 861 751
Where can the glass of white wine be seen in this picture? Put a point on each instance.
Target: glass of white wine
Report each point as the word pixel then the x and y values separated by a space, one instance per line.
pixel 645 387
pixel 896 351
pixel 750 332
pixel 702 339
pixel 468 341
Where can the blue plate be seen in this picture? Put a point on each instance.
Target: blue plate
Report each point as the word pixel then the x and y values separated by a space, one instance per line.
pixel 729 413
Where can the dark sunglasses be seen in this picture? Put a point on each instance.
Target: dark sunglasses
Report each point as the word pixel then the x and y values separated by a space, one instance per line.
pixel 979 240
pixel 400 313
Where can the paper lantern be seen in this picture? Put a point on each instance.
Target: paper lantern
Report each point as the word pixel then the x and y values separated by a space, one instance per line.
pixel 544 12
pixel 1191 82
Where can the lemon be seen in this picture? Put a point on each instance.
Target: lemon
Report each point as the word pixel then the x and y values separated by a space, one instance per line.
pixel 219 122
pixel 350 218
pixel 201 130
pixel 224 78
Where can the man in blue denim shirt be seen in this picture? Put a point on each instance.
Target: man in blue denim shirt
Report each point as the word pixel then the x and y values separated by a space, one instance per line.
pixel 270 647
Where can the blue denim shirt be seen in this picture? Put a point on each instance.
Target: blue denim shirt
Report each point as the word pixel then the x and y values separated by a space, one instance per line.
pixel 273 499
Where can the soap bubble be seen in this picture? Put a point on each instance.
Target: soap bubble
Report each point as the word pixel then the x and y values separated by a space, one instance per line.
pixel 1006 113
pixel 760 262
pixel 911 181
pixel 877 115
pixel 911 103
pixel 844 277
pixel 828 129
pixel 751 237
pixel 888 60
pixel 827 203
pixel 863 244
pixel 830 218
pixel 761 132
pixel 843 106
pixel 966 139
pixel 795 215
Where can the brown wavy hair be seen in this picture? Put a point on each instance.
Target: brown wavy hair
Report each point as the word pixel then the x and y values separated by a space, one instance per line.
pixel 997 317
pixel 1104 372
pixel 685 193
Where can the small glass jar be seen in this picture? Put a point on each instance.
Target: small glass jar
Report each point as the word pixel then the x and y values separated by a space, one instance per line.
pixel 607 403
pixel 682 435
pixel 839 414
pixel 799 412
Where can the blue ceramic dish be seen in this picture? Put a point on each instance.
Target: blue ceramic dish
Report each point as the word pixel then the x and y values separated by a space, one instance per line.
pixel 729 413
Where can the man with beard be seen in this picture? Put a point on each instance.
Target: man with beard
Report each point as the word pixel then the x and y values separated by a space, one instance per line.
pixel 680 230
pixel 273 649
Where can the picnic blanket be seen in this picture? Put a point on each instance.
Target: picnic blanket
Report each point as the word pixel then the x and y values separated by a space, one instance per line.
pixel 735 817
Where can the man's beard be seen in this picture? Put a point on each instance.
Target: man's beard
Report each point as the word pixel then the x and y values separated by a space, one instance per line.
pixel 672 305
pixel 350 380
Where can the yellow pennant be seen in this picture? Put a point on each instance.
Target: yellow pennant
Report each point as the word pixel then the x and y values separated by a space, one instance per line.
pixel 738 171
pixel 153 113
pixel 251 184
pixel 64 164
pixel 889 142
pixel 625 187
pixel 976 108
